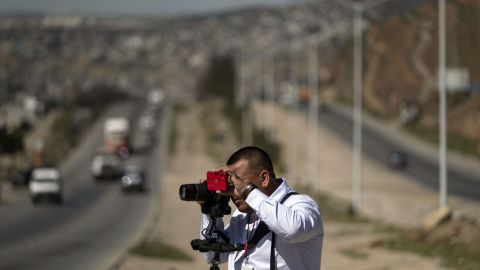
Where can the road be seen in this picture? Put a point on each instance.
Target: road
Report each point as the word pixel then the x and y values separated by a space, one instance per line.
pixel 97 221
pixel 377 147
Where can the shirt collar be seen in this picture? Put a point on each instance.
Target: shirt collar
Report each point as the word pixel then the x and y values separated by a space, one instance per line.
pixel 281 191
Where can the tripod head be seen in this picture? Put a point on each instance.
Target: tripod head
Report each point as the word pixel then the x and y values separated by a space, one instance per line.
pixel 216 206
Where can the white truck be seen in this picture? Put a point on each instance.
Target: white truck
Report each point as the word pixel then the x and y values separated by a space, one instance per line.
pixel 46 183
pixel 117 136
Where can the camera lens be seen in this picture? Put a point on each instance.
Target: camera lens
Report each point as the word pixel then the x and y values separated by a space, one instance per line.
pixel 193 192
pixel 188 192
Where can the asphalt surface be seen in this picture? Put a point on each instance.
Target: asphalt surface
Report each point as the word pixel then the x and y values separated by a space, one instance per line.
pixel 95 224
pixel 378 146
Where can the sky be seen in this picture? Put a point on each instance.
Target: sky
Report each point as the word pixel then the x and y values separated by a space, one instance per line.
pixel 134 7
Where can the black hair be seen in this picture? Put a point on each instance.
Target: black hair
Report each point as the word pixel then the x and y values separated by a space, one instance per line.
pixel 258 159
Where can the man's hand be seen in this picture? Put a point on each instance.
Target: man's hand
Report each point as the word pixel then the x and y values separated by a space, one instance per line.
pixel 239 184
pixel 235 184
pixel 230 187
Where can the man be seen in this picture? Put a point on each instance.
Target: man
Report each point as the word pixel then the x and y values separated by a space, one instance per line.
pixel 296 224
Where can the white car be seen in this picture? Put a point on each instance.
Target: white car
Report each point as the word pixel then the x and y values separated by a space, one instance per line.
pixel 46 183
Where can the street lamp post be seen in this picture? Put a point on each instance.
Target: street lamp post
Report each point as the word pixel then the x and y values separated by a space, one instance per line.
pixel 244 100
pixel 293 125
pixel 357 111
pixel 313 117
pixel 270 95
pixel 357 180
pixel 442 103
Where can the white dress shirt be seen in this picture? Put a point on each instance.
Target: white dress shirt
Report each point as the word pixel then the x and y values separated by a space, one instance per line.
pixel 297 225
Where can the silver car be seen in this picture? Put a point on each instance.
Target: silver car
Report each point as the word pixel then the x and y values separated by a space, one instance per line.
pixel 133 178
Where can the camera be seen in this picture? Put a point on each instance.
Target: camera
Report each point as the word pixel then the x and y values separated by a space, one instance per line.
pixel 214 204
pixel 217 180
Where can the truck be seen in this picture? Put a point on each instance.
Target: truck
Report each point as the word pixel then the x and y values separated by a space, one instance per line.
pixel 117 136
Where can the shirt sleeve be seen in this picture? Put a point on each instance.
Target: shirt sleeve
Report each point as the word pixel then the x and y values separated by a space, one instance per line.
pixel 204 227
pixel 295 221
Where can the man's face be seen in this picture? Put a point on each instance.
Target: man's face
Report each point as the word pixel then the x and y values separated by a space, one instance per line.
pixel 240 168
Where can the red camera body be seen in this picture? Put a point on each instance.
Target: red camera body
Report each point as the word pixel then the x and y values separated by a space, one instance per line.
pixel 217 180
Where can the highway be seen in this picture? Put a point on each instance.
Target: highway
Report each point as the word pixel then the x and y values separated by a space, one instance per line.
pixel 96 223
pixel 377 147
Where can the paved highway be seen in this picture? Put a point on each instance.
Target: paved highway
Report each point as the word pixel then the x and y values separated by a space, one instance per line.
pixel 97 221
pixel 377 146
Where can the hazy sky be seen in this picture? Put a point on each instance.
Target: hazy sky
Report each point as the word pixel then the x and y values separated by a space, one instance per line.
pixel 131 6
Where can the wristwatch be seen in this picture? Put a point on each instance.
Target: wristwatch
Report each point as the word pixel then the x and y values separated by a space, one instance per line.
pixel 247 191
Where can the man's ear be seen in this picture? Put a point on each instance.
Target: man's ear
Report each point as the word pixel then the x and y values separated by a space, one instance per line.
pixel 265 178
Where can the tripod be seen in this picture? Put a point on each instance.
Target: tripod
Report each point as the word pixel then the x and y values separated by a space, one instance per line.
pixel 212 243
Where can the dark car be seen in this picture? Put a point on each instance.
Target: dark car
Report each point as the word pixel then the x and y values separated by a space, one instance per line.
pixel 22 177
pixel 106 166
pixel 398 160
pixel 133 178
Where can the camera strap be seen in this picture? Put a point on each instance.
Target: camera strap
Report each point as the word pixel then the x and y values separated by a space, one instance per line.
pixel 263 230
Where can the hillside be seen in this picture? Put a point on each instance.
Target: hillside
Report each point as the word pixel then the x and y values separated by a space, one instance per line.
pixel 401 56
pixel 58 61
